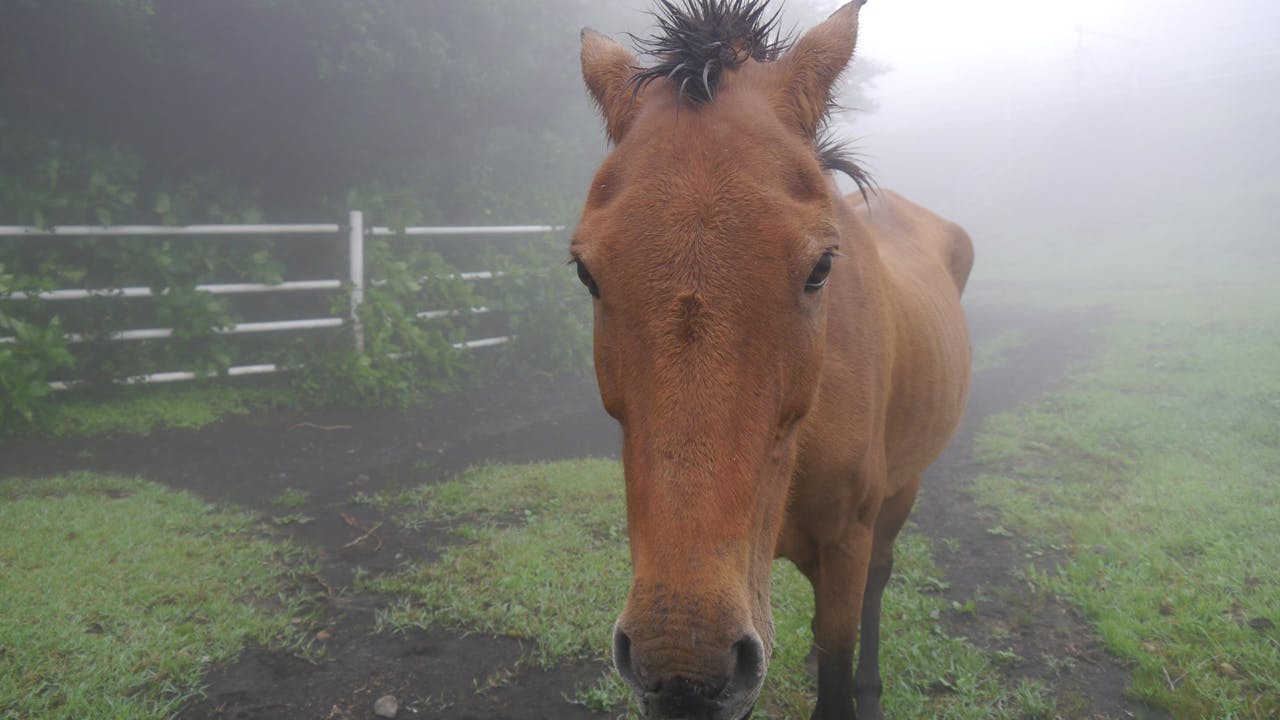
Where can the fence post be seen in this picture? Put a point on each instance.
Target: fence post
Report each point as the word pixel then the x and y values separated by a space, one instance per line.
pixel 355 254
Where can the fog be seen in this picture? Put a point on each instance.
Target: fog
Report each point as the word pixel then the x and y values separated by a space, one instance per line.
pixel 1100 534
pixel 1019 117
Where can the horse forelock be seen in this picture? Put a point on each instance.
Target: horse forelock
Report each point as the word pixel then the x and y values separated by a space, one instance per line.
pixel 698 41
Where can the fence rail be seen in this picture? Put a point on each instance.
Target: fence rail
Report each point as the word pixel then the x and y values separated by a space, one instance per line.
pixel 166 230
pixel 355 233
pixel 222 289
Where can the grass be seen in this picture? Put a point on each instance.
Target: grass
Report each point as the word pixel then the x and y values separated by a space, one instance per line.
pixel 1155 467
pixel 997 351
pixel 139 410
pixel 544 557
pixel 292 498
pixel 116 595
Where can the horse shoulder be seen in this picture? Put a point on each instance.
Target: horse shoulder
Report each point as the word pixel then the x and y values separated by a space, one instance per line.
pixel 905 229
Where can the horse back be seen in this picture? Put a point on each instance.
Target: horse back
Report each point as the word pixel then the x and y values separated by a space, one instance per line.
pixel 926 261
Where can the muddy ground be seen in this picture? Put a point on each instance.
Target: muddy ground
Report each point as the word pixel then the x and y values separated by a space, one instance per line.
pixel 335 454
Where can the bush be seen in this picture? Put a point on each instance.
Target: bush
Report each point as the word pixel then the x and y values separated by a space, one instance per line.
pixel 547 311
pixel 405 358
pixel 26 363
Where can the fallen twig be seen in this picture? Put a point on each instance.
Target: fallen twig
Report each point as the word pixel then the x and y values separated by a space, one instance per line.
pixel 325 585
pixel 368 532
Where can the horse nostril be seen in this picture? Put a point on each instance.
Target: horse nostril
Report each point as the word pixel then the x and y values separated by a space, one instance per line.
pixel 748 669
pixel 622 657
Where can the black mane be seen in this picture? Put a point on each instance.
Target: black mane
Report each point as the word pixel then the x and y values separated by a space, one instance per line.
pixel 838 156
pixel 697 40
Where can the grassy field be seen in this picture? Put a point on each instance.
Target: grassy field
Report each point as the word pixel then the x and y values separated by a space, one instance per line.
pixel 1156 464
pixel 1150 474
pixel 543 556
pixel 116 595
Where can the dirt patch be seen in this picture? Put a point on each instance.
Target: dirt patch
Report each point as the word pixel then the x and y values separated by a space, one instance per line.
pixel 431 675
pixel 337 455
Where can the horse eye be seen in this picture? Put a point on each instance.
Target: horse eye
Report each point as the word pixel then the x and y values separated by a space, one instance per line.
pixel 818 277
pixel 586 279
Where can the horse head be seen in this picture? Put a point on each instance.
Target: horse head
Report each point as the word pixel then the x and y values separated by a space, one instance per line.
pixel 706 241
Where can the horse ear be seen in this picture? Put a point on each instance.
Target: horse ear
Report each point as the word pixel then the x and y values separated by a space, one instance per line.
pixel 607 68
pixel 810 69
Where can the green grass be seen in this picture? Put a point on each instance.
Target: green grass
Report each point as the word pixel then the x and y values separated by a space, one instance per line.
pixel 292 498
pixel 543 556
pixel 997 351
pixel 1156 465
pixel 139 410
pixel 116 595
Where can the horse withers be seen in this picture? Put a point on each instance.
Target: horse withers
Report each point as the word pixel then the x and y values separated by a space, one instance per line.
pixel 784 361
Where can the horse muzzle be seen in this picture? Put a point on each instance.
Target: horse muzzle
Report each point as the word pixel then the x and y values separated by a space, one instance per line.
pixel 727 691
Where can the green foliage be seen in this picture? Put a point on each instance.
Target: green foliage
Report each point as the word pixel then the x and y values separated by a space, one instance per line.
pixel 26 363
pixel 548 312
pixel 195 317
pixel 42 181
pixel 45 181
pixel 405 358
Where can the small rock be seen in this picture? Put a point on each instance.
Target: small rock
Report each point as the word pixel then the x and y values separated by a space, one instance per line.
pixel 1261 623
pixel 386 707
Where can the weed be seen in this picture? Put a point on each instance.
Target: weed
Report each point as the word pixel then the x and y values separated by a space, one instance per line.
pixel 292 498
pixel 293 519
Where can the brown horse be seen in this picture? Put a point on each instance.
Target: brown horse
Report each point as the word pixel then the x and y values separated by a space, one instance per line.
pixel 784 361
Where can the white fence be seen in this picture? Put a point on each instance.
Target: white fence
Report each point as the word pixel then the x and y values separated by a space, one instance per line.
pixel 355 233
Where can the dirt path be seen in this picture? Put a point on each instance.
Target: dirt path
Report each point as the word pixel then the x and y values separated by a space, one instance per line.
pixel 1052 641
pixel 335 454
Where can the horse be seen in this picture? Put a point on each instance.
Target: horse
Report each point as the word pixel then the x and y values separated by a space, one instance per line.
pixel 783 360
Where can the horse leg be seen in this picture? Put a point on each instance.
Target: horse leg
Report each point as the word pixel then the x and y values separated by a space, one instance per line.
pixel 809 568
pixel 867 686
pixel 842 575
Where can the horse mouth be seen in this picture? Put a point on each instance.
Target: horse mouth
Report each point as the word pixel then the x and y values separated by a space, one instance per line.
pixel 661 708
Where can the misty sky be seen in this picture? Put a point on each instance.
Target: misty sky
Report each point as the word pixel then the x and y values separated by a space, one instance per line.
pixel 940 50
pixel 987 99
